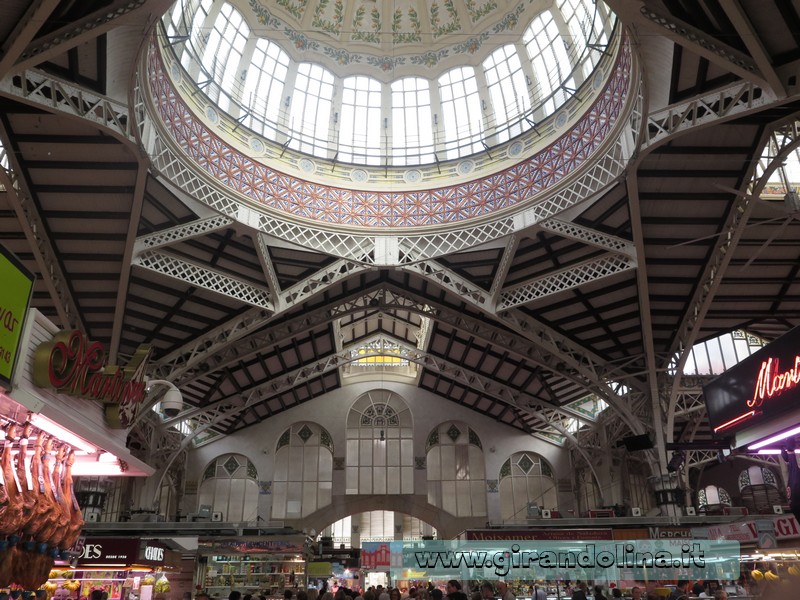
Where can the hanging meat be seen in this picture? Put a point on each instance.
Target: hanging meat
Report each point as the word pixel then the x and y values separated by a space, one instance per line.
pixel 76 516
pixel 13 512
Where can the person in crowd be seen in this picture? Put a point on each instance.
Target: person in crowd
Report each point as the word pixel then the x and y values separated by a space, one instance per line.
pixel 487 590
pixel 327 596
pixel 395 594
pixel 504 592
pixel 98 595
pixel 436 594
pixel 234 595
pixel 680 590
pixel 202 596
pixel 636 593
pixel 250 597
pixel 598 593
pixel 579 593
pixel 720 595
pixel 383 595
pixel 616 593
pixel 454 591
pixel 710 589
pixel 287 594
pixel 538 593
pixel 412 593
pixel 302 595
pixel 697 589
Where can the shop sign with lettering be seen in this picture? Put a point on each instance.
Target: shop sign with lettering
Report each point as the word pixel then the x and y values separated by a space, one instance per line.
pixel 786 528
pixel 155 554
pixel 119 552
pixel 15 297
pixel 758 389
pixel 543 534
pixel 74 365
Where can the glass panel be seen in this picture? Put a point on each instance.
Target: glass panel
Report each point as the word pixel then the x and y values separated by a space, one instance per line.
pixel 476 464
pixel 365 453
pixel 433 462
pixel 393 453
pixel 365 480
pixel 352 453
pixel 379 481
pixel 478 493
pixel 310 470
pixel 449 497
pixel 309 497
pixel 325 493
pixel 236 502
pixel 250 511
pixel 379 453
pixel 463 502
pixel 406 452
pixel 325 465
pixel 351 474
pixel 279 490
pixel 408 480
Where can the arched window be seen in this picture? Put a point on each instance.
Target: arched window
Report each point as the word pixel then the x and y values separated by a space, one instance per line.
pixel 526 479
pixel 311 108
pixel 551 64
pixel 412 125
pixel 230 486
pixel 303 477
pixel 223 54
pixel 380 445
pixel 456 472
pixel 461 112
pixel 586 24
pixel 263 88
pixel 506 82
pixel 360 122
pixel 759 489
pixel 166 499
pixel 712 498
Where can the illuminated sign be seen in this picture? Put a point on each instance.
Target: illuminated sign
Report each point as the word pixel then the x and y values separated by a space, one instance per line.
pixel 15 297
pixel 74 365
pixel 763 386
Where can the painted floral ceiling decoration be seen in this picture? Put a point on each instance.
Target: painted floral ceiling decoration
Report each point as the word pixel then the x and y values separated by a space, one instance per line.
pixel 390 34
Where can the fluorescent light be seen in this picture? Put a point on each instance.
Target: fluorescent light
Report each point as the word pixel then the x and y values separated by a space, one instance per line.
pixel 62 434
pixel 775 438
pixel 96 468
pixel 773 451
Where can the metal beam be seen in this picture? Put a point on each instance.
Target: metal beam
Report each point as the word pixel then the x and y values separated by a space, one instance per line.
pixel 24 32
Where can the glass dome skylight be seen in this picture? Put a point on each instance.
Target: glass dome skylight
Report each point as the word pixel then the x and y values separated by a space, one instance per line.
pixel 324 84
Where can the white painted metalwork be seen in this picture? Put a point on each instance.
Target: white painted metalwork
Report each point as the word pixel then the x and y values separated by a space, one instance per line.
pixel 589 236
pixel 727 103
pixel 204 277
pixel 322 279
pixel 180 233
pixel 36 87
pixel 565 279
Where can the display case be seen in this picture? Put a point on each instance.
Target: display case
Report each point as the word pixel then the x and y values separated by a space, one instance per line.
pixel 268 574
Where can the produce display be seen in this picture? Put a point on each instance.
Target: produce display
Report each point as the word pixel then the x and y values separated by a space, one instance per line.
pixel 162 585
pixel 39 516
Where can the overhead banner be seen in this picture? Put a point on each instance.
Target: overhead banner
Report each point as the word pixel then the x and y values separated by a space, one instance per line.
pixel 500 535
pixel 15 299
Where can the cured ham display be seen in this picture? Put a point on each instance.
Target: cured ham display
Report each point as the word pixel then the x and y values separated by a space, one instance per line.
pixel 39 515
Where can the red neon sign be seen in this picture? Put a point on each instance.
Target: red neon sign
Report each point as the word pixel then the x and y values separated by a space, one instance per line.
pixel 771 382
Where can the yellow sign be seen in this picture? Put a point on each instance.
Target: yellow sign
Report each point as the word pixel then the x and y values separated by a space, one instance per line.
pixel 319 569
pixel 15 296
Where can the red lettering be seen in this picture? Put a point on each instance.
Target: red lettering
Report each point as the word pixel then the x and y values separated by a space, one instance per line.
pixel 771 382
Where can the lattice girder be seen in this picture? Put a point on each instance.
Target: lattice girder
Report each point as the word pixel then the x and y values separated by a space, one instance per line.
pixel 732 101
pixel 180 233
pixel 35 87
pixel 589 236
pixel 203 277
pixel 565 279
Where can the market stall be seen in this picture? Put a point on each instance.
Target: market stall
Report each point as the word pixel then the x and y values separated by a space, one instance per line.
pixel 253 565
pixel 124 568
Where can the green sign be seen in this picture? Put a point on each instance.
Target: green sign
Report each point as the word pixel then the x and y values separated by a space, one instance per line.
pixel 16 286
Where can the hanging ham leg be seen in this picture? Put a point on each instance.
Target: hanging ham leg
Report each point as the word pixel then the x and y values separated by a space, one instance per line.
pixel 76 516
pixel 12 513
pixel 38 508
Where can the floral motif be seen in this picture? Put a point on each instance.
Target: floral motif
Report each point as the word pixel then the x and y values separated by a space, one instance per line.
pixel 472 45
pixel 505 470
pixel 301 42
pixel 360 34
pixel 404 37
pixel 430 58
pixel 439 28
pixel 474 439
pixel 510 20
pixel 263 15
pixel 325 439
pixel 385 63
pixel 293 8
pixel 209 472
pixel 252 472
pixel 476 13
pixel 492 486
pixel 332 26
pixel 341 56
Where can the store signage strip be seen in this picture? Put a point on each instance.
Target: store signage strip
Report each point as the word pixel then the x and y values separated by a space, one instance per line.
pixel 72 364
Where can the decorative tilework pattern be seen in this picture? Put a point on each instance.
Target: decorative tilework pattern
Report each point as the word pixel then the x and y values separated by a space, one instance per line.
pixel 323 204
pixel 231 465
pixel 420 463
pixel 338 463
pixel 492 486
pixel 265 488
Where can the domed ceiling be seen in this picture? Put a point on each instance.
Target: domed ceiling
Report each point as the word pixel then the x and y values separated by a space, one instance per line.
pixel 390 34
